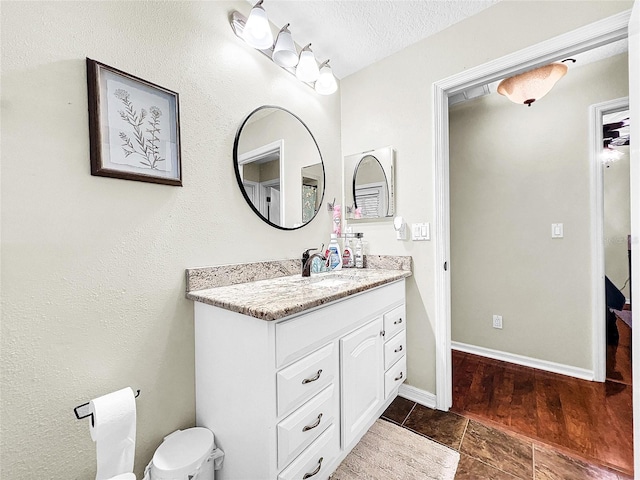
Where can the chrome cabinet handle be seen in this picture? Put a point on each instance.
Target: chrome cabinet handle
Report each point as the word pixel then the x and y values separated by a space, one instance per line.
pixel 312 379
pixel 382 333
pixel 397 322
pixel 399 349
pixel 314 425
pixel 399 377
pixel 315 472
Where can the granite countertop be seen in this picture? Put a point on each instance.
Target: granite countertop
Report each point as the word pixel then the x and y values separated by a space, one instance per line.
pixel 276 298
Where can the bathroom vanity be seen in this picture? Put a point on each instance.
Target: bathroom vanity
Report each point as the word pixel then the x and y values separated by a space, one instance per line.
pixel 292 371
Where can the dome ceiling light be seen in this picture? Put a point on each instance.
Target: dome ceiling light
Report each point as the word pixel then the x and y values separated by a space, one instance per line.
pixel 530 86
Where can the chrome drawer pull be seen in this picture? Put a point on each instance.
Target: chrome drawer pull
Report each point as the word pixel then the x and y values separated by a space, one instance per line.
pixel 397 322
pixel 312 379
pixel 315 472
pixel 399 349
pixel 399 377
pixel 315 424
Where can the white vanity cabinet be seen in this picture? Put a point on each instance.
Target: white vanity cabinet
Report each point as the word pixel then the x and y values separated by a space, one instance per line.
pixel 288 399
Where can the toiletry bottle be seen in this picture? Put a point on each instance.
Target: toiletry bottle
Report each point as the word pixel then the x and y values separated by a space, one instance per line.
pixel 358 253
pixel 334 257
pixel 347 252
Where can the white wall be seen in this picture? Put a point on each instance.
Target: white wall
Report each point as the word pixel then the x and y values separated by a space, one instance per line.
pixel 93 267
pixel 515 170
pixel 390 103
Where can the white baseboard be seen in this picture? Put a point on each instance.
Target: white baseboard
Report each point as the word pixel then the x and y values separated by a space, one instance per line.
pixel 546 365
pixel 424 398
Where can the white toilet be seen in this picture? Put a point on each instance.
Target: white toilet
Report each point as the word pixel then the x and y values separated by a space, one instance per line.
pixel 184 455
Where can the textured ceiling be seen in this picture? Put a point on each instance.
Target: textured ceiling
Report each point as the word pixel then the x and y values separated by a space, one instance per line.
pixel 357 33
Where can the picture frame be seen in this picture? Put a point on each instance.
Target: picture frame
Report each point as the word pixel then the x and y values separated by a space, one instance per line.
pixel 134 127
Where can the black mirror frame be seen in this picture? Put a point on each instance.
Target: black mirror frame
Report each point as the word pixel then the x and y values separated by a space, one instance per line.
pixel 239 178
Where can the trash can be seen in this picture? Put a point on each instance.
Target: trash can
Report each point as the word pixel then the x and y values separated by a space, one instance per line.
pixel 186 455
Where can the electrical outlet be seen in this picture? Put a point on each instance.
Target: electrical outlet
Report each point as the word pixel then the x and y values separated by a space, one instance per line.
pixel 497 321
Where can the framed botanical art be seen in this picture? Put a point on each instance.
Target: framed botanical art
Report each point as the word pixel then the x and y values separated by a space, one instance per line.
pixel 134 127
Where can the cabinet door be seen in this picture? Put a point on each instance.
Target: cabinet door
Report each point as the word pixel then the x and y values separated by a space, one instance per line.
pixel 362 376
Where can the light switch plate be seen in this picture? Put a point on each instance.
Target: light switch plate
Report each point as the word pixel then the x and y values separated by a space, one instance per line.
pixel 557 230
pixel 420 231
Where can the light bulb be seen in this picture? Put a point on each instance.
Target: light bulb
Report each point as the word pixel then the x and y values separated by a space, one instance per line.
pixel 326 83
pixel 257 31
pixel 307 70
pixel 284 51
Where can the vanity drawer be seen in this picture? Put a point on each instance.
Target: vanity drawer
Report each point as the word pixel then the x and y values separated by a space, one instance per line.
pixel 298 430
pixel 395 376
pixel 302 380
pixel 395 348
pixel 302 334
pixel 314 461
pixel 394 321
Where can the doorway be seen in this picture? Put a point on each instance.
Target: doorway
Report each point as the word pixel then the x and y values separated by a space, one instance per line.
pixel 515 171
pixel 260 170
pixel 591 36
pixel 611 135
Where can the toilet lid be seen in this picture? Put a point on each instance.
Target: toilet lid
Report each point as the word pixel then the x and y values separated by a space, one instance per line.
pixel 183 451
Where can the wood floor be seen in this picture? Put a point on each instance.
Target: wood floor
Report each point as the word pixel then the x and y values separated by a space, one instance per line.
pixel 586 419
pixel 488 453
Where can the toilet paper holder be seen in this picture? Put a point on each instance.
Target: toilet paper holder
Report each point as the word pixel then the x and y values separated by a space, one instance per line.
pixel 83 411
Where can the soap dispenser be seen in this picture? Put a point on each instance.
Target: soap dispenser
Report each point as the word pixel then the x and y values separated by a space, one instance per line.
pixel 347 251
pixel 334 256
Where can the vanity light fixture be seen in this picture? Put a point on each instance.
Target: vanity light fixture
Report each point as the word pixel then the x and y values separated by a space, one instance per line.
pixel 530 86
pixel 304 66
pixel 257 31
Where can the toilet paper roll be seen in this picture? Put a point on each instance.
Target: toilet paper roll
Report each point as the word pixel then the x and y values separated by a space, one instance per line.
pixel 114 431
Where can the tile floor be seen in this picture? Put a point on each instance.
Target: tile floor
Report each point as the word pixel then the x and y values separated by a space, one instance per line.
pixel 489 453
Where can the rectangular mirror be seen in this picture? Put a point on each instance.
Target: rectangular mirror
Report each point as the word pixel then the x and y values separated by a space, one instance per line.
pixel 369 185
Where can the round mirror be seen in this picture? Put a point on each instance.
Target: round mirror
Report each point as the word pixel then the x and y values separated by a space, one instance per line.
pixel 279 167
pixel 370 188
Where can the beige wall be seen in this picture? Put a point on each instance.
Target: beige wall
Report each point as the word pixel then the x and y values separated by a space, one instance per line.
pixel 515 170
pixel 617 221
pixel 390 103
pixel 93 267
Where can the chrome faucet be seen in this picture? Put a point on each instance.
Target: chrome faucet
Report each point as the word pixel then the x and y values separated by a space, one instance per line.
pixel 306 267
